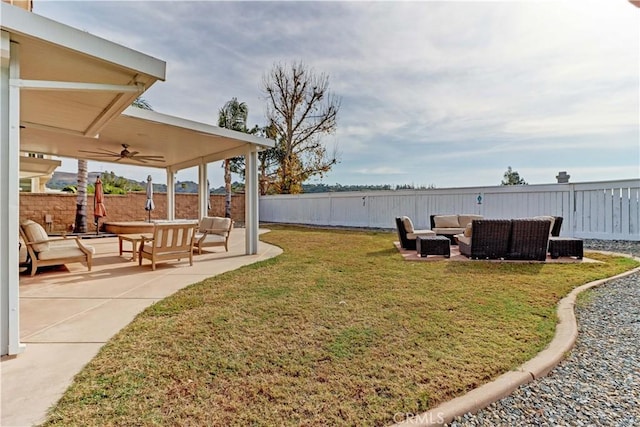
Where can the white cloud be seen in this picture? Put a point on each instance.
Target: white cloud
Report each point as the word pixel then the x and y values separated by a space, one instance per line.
pixel 471 85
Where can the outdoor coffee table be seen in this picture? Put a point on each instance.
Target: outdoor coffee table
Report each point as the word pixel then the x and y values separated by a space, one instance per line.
pixel 565 246
pixel 134 239
pixel 433 245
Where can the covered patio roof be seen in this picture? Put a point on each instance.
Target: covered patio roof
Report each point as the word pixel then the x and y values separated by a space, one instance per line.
pixel 71 81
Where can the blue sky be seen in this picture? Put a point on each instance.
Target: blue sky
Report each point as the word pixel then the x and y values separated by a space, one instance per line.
pixel 433 93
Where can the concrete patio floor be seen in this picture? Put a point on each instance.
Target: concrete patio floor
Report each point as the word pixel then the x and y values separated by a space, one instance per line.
pixel 68 313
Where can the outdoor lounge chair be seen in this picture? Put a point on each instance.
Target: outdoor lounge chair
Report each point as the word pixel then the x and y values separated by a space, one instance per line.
pixel 407 234
pixel 213 231
pixel 171 240
pixel 44 250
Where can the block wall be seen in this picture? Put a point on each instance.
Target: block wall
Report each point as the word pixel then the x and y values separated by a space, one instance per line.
pixel 129 207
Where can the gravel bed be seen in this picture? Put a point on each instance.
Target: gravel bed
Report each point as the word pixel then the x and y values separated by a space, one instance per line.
pixel 598 384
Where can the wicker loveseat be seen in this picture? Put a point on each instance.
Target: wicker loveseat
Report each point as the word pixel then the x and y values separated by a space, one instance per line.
pixel 518 239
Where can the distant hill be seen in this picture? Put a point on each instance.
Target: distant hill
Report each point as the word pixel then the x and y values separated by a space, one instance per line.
pixel 62 179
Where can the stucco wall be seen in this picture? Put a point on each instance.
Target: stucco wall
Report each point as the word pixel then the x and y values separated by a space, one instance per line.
pixel 130 207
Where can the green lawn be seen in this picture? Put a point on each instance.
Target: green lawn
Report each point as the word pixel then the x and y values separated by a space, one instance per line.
pixel 338 330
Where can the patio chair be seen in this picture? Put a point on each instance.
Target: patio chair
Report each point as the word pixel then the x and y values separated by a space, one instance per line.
pixel 407 234
pixel 171 240
pixel 44 251
pixel 213 231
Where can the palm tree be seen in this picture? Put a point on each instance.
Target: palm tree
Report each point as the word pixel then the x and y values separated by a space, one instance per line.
pixel 232 116
pixel 81 200
pixel 83 177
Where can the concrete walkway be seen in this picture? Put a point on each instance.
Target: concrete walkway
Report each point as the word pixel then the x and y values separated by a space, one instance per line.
pixel 66 316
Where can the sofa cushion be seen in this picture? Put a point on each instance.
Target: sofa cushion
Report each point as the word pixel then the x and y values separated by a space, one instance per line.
pixel 35 233
pixel 468 231
pixel 416 233
pixel 408 225
pixel 464 239
pixel 448 230
pixel 466 219
pixel 446 221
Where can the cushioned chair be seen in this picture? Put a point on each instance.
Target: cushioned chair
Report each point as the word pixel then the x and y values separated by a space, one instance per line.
pixel 171 240
pixel 407 234
pixel 44 250
pixel 213 231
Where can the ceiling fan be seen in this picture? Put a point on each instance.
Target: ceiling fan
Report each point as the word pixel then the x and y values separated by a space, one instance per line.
pixel 124 154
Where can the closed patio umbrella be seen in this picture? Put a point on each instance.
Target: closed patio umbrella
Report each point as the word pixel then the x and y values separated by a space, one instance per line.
pixel 99 210
pixel 149 206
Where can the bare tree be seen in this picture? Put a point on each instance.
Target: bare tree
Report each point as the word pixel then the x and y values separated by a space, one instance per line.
pixel 300 110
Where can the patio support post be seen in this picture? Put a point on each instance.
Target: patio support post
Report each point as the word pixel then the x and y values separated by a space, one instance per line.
pixel 9 202
pixel 203 190
pixel 251 195
pixel 171 194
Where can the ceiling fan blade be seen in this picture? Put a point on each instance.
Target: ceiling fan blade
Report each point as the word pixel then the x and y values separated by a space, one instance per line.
pixel 150 158
pixel 101 156
pixel 138 159
pixel 103 152
pixel 133 153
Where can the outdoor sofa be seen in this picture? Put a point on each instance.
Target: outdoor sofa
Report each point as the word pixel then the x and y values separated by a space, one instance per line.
pixel 450 225
pixel 516 239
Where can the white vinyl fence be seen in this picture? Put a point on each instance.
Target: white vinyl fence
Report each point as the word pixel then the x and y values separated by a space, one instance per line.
pixel 596 210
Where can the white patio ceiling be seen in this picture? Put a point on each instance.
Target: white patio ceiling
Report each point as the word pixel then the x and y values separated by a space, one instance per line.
pixel 183 143
pixel 71 81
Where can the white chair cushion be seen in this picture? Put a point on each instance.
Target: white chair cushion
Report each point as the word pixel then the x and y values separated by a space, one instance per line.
pixel 211 237
pixel 205 224
pixel 464 239
pixel 62 252
pixel 408 225
pixel 416 233
pixel 449 230
pixel 35 233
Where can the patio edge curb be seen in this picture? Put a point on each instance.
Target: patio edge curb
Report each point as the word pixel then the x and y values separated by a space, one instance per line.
pixel 539 366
